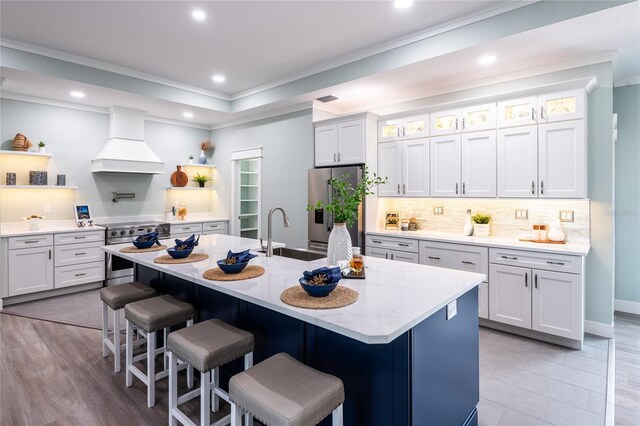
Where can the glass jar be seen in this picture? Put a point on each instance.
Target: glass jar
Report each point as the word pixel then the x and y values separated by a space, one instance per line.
pixel 182 210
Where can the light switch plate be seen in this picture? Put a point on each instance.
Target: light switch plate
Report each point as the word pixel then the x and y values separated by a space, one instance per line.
pixel 522 214
pixel 452 309
pixel 566 215
pixel 438 210
pixel 47 208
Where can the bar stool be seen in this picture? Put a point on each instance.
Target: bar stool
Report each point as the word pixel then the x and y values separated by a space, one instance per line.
pixel 116 297
pixel 151 315
pixel 281 391
pixel 206 346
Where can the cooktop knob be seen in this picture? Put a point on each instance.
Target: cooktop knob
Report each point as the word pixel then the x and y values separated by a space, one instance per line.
pixel 114 233
pixel 123 232
pixel 155 230
pixel 131 231
pixel 148 229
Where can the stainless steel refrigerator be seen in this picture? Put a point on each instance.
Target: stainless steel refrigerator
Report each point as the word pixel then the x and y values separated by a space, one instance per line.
pixel 320 223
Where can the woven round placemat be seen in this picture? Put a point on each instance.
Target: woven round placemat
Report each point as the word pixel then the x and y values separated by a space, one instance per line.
pixel 338 298
pixel 251 271
pixel 134 249
pixel 193 257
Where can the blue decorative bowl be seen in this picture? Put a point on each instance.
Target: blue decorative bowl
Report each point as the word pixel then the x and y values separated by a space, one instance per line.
pixel 321 290
pixel 233 268
pixel 179 254
pixel 144 244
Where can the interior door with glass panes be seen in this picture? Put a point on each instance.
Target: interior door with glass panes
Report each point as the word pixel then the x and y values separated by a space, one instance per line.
pixel 247 195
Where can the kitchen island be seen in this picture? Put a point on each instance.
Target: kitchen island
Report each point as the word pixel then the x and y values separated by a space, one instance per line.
pixel 402 358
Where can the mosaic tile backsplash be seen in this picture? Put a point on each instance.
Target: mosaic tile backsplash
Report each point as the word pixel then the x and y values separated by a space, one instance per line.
pixel 504 223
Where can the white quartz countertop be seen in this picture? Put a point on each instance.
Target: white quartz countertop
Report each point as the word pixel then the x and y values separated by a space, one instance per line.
pixel 16 229
pixel 579 249
pixel 197 219
pixel 394 297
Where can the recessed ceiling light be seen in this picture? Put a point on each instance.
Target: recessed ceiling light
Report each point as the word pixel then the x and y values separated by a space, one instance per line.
pixel 198 15
pixel 77 94
pixel 486 60
pixel 403 4
pixel 187 114
pixel 218 78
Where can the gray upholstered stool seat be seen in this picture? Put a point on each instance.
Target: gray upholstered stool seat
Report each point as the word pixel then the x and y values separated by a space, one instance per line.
pixel 210 344
pixel 116 297
pixel 281 391
pixel 158 312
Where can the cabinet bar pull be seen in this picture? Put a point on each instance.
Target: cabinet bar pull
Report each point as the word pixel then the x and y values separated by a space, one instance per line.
pixel 376 241
pixel 542 187
pixel 553 262
pixel 404 189
pixel 398 188
pixel 466 262
pixel 464 188
pixel 391 256
pixel 456 188
pixel 456 124
pixel 81 274
pixel 398 131
pixel 31 241
pixel 334 157
pixel 533 187
pixel 533 113
pixel 433 257
pixel 526 279
pixel 386 255
pixel 542 112
pixel 463 123
pixel 186 228
pixel 403 245
pixel 536 280
pixel 80 254
pixel 509 258
pixel 403 132
pixel 79 238
pixel 49 254
pixel 339 157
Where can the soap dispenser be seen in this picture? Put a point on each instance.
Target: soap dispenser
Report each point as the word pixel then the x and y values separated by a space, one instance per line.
pixel 468 226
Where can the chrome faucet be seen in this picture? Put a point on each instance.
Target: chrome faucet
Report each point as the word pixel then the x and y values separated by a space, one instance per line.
pixel 269 249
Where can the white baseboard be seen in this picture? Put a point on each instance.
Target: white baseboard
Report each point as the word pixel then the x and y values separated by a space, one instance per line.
pixel 599 329
pixel 627 307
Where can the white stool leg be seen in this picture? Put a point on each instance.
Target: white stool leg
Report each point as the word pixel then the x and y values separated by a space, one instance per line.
pixel 336 416
pixel 236 415
pixel 173 388
pixel 205 396
pixel 105 329
pixel 190 367
pixel 129 354
pixel 215 383
pixel 248 363
pixel 164 355
pixel 151 369
pixel 116 341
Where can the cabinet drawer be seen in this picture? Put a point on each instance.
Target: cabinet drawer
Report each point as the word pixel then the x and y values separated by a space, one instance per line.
pixel 67 276
pixel 214 226
pixel 401 256
pixel 401 244
pixel 538 260
pixel 455 256
pixel 72 254
pixel 80 237
pixel 30 241
pixel 192 228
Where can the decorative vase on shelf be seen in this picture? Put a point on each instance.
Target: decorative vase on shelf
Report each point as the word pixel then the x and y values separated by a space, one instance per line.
pixel 190 160
pixel 202 159
pixel 468 226
pixel 556 233
pixel 339 245
pixel 42 150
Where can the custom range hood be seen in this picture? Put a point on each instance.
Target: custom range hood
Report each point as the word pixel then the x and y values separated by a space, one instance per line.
pixel 126 151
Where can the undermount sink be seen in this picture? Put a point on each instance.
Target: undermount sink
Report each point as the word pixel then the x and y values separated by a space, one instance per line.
pixel 294 253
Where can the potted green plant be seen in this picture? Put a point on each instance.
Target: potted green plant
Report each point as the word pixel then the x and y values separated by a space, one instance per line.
pixel 41 146
pixel 201 179
pixel 481 227
pixel 191 159
pixel 344 210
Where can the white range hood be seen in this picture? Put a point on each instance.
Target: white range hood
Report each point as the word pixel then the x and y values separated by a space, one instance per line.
pixel 126 151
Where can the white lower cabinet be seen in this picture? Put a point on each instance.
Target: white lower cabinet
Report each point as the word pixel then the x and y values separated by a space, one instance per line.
pixel 209 228
pixel 510 295
pixel 67 276
pixel 400 256
pixel 30 270
pixel 391 248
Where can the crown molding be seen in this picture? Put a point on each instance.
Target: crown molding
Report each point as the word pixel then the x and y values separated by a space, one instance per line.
pixel 627 81
pixel 257 117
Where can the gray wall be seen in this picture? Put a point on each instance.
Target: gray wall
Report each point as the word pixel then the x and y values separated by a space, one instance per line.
pixel 287 149
pixel 626 103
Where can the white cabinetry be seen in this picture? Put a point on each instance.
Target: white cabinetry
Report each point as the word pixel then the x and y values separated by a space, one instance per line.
pixel 561 106
pixel 406 165
pixel 185 230
pixel 445 122
pixel 326 145
pixel 510 295
pixel 78 259
pixel 390 166
pixel 445 166
pixel 209 228
pixel 557 304
pixel 517 112
pixel 478 117
pixel 479 164
pixel 340 143
pixel 30 270
pixel 517 162
pixel 562 159
pixel 391 248
pixel 413 127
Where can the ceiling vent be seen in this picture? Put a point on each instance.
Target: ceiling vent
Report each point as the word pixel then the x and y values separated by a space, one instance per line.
pixel 328 98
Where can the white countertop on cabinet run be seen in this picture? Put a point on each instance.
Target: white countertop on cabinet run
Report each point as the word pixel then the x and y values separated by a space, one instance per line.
pixel 394 297
pixel 15 229
pixel 196 218
pixel 578 249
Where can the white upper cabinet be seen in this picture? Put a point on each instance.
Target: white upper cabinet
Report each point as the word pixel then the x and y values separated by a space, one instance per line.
pixel 390 166
pixel 562 160
pixel 561 106
pixel 415 167
pixel 517 112
pixel 445 122
pixel 517 162
pixel 340 144
pixel 479 117
pixel 445 166
pixel 413 127
pixel 479 164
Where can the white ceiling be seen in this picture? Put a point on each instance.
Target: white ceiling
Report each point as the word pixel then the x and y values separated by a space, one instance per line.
pixel 296 50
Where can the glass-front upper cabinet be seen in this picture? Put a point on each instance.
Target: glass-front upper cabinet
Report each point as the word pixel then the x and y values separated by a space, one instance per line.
pixel 561 106
pixel 517 112
pixel 479 117
pixel 445 122
pixel 413 127
pixel 389 130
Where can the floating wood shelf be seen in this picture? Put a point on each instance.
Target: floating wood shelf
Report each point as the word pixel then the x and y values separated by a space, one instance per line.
pixel 39 186
pixel 25 153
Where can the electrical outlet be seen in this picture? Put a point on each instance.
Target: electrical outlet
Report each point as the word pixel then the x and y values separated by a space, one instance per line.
pixel 47 208
pixel 522 214
pixel 452 309
pixel 566 215
pixel 438 210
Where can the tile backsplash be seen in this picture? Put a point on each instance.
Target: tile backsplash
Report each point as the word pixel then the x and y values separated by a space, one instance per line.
pixel 504 223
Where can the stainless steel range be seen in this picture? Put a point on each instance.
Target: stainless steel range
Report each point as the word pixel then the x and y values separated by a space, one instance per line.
pixel 119 270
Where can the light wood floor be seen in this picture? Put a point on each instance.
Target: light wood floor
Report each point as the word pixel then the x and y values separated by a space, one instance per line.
pixel 627 396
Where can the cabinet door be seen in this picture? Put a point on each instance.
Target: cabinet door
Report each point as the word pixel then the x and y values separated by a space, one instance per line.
pixel 483 300
pixel 326 145
pixel 561 159
pixel 561 106
pixel 376 252
pixel 510 295
pixel 416 126
pixel 517 162
pixel 30 270
pixel 390 166
pixel 557 304
pixel 517 112
pixel 415 167
pixel 401 256
pixel 479 117
pixel 445 166
pixel 351 142
pixel 479 164
pixel 389 130
pixel 445 122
